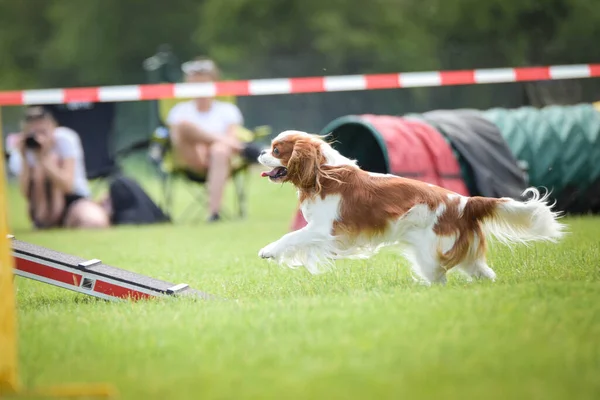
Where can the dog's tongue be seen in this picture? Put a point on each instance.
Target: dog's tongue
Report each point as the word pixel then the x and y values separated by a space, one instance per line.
pixel 269 173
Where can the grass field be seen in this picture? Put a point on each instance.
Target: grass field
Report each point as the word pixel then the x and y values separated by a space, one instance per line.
pixel 363 331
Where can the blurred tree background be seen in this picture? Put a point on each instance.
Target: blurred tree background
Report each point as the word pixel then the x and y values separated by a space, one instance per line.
pixel 62 43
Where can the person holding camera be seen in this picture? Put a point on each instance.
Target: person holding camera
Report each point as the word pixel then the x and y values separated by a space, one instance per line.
pixel 49 162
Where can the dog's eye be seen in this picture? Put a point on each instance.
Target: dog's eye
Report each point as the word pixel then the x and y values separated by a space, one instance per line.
pixel 276 151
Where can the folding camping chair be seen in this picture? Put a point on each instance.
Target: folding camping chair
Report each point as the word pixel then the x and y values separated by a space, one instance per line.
pixel 161 156
pixel 164 66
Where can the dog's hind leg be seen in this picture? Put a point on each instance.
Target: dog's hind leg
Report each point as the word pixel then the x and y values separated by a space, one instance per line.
pixel 475 265
pixel 477 269
pixel 425 261
pixel 430 268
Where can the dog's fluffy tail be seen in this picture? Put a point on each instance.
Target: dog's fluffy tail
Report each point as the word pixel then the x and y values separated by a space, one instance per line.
pixel 512 221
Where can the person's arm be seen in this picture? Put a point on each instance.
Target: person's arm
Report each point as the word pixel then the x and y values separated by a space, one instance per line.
pixel 62 177
pixel 24 175
pixel 236 120
pixel 49 192
pixel 19 165
pixel 232 132
pixel 31 183
pixel 61 174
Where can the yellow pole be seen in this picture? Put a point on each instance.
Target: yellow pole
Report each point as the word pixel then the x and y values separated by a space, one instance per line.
pixel 9 377
pixel 8 321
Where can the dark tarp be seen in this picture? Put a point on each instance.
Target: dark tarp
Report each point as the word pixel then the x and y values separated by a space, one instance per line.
pixel 483 151
pixel 94 123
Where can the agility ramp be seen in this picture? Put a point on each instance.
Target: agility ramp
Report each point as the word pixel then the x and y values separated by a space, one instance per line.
pixel 91 277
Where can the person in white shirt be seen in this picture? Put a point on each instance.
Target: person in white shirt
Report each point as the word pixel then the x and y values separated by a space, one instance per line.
pixel 203 134
pixel 49 162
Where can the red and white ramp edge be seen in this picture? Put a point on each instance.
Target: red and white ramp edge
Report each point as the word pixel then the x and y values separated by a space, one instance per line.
pixel 80 281
pixel 261 87
pixel 91 277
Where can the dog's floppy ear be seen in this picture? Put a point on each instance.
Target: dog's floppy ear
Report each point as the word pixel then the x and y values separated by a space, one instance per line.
pixel 303 166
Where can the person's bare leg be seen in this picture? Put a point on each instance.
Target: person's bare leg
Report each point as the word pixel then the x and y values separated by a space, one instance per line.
pixel 218 172
pixel 86 214
pixel 57 201
pixel 38 197
pixel 190 133
pixel 198 158
pixel 58 205
pixel 188 153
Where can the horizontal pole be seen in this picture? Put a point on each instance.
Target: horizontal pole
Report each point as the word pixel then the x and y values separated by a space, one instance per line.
pixel 262 87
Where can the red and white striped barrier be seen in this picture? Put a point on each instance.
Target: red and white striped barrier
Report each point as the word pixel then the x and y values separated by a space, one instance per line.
pixel 260 87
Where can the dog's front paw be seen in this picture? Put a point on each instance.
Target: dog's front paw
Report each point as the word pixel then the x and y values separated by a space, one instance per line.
pixel 268 251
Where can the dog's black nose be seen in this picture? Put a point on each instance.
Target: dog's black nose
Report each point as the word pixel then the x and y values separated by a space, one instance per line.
pixel 263 152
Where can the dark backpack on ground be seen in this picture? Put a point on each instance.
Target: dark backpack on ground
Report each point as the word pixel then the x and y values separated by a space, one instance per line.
pixel 132 205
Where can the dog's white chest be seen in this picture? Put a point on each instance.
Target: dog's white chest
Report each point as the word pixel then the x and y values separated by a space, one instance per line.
pixel 321 212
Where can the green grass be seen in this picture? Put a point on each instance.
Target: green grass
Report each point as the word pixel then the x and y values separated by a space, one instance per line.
pixel 364 330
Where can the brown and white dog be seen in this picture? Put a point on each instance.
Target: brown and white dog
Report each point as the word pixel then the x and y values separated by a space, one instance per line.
pixel 352 213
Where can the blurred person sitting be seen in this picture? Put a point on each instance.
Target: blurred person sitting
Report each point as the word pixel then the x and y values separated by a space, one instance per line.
pixel 49 162
pixel 203 134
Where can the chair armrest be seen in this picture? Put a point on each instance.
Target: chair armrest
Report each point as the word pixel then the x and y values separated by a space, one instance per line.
pixel 262 131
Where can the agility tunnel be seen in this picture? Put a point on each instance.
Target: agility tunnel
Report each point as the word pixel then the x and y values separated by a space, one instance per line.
pixel 561 147
pixel 495 153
